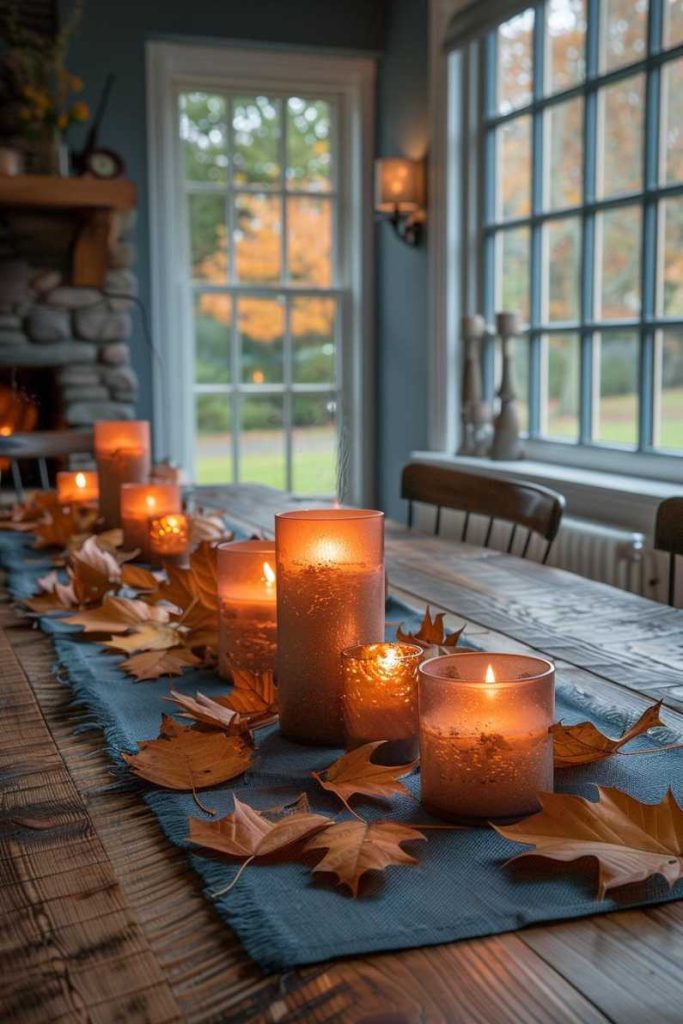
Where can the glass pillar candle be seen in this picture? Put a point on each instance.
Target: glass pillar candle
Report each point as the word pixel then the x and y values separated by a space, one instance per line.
pixel 139 504
pixel 77 488
pixel 247 623
pixel 169 538
pixel 485 746
pixel 380 699
pixel 330 596
pixel 122 453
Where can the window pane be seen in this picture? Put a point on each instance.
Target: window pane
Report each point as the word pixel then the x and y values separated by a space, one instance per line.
pixel 673 22
pixel 672 122
pixel 623 32
pixel 262 440
pixel 564 125
pixel 562 260
pixel 513 172
pixel 670 432
pixel 213 440
pixel 512 279
pixel 562 386
pixel 618 262
pixel 566 29
pixel 257 237
pixel 255 135
pixel 672 253
pixel 202 130
pixel 314 444
pixel 313 347
pixel 208 239
pixel 212 335
pixel 515 54
pixel 309 240
pixel 520 367
pixel 261 325
pixel 309 144
pixel 621 132
pixel 617 418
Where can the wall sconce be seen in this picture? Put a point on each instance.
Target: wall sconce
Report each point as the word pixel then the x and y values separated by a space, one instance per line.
pixel 399 196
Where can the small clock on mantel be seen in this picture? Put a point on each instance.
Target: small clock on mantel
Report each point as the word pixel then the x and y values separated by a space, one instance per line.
pixel 103 163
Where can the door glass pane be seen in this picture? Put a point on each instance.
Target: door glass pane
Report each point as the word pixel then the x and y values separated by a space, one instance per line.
pixel 513 172
pixel 670 432
pixel 671 299
pixel 564 126
pixel 314 444
pixel 255 138
pixel 623 32
pixel 672 122
pixel 562 262
pixel 617 419
pixel 262 441
pixel 202 123
pixel 673 22
pixel 520 367
pixel 512 282
pixel 212 333
pixel 208 239
pixel 313 348
pixel 618 261
pixel 566 28
pixel 261 324
pixel 515 55
pixel 562 386
pixel 309 240
pixel 213 440
pixel 257 238
pixel 621 119
pixel 309 144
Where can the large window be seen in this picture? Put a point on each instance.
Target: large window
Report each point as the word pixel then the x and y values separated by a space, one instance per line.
pixel 583 216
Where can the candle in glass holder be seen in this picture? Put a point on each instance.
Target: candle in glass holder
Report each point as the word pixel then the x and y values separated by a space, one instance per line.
pixel 380 699
pixel 77 488
pixel 247 624
pixel 122 453
pixel 139 504
pixel 169 538
pixel 485 746
pixel 330 595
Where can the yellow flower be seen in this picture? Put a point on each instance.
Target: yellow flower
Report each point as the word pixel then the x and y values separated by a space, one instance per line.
pixel 80 111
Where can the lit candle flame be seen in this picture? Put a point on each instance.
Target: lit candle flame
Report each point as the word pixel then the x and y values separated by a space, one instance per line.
pixel 151 501
pixel 388 659
pixel 490 676
pixel 5 431
pixel 268 574
pixel 490 680
pixel 80 480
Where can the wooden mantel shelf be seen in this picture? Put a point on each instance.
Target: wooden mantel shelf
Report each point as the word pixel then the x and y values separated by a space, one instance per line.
pixel 93 201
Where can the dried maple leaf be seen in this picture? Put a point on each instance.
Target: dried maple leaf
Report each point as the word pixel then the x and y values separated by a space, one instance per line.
pixel 431 633
pixel 356 847
pixel 583 743
pixel 154 664
pixel 254 694
pixel 118 615
pixel 150 636
pixel 208 527
pixel 184 758
pixel 52 596
pixel 355 773
pixel 138 578
pixel 56 528
pixel 206 711
pixel 630 840
pixel 94 572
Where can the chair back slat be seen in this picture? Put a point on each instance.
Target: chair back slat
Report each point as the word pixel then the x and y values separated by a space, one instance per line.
pixel 511 541
pixel 47 444
pixel 437 521
pixel 489 531
pixel 669 536
pixel 465 524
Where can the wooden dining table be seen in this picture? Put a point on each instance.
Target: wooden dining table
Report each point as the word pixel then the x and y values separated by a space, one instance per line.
pixel 102 919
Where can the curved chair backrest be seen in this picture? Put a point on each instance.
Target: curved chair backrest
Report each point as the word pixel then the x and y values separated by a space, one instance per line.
pixel 669 536
pixel 41 445
pixel 530 506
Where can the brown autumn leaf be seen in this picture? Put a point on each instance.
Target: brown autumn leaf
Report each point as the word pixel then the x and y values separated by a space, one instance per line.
pixel 206 711
pixel 355 773
pixel 356 847
pixel 52 596
pixel 431 633
pixel 94 572
pixel 247 833
pixel 630 840
pixel 150 636
pixel 254 695
pixel 186 759
pixel 138 578
pixel 147 665
pixel 118 615
pixel 204 526
pixel 57 526
pixel 583 743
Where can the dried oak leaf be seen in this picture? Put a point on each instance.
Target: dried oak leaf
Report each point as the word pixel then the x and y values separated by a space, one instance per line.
pixel 356 847
pixel 583 743
pixel 206 711
pixel 118 615
pixel 431 633
pixel 154 664
pixel 94 572
pixel 185 759
pixel 630 840
pixel 52 596
pixel 355 773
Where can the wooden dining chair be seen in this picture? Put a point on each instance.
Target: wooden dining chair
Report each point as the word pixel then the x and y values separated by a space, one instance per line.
pixel 39 446
pixel 669 536
pixel 529 506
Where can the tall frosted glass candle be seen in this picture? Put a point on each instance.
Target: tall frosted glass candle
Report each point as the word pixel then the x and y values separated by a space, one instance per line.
pixel 139 504
pixel 330 595
pixel 485 746
pixel 122 453
pixel 247 624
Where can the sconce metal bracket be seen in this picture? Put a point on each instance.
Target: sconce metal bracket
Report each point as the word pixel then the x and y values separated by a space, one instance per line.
pixel 409 227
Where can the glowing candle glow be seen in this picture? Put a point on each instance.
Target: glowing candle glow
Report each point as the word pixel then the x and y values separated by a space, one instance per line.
pixel 122 452
pixel 247 599
pixel 485 746
pixel 77 488
pixel 169 538
pixel 330 594
pixel 139 504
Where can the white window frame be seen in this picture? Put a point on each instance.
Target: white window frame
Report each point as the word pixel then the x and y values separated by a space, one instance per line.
pixel 172 68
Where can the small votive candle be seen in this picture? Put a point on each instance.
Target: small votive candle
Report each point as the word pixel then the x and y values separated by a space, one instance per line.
pixel 122 453
pixel 379 699
pixel 247 624
pixel 485 746
pixel 139 504
pixel 169 538
pixel 77 488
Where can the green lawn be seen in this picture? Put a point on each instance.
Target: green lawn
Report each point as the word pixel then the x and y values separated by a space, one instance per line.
pixel 618 421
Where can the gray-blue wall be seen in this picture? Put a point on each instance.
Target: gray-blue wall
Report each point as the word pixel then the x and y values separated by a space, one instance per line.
pixel 112 38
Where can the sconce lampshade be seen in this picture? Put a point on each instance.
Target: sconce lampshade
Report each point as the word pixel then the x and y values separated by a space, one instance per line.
pixel 399 185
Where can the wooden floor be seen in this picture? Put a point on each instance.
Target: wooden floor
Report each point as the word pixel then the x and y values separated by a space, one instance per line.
pixel 101 919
